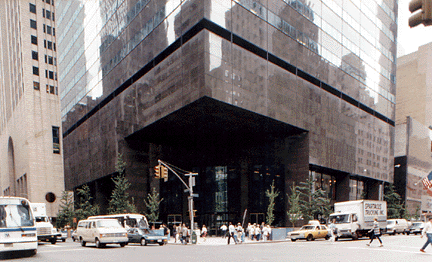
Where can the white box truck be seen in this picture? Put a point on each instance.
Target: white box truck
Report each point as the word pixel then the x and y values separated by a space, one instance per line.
pixel 45 230
pixel 353 219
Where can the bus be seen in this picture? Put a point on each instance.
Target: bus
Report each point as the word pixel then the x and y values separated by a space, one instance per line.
pixel 17 226
pixel 127 220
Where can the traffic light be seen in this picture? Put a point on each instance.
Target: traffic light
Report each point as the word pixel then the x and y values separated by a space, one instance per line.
pixel 423 14
pixel 158 171
pixel 164 173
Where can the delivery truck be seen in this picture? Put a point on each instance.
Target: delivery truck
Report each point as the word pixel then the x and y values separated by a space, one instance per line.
pixel 45 230
pixel 354 219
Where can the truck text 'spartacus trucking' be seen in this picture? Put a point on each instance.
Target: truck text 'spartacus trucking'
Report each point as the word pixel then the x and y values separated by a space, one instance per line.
pixel 354 219
pixel 45 230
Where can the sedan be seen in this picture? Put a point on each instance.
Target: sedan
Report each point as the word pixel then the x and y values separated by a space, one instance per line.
pixel 415 228
pixel 310 233
pixel 146 236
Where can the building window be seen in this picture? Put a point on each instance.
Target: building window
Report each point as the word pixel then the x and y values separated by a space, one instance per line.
pixel 56 139
pixel 53 31
pixel 54 46
pixel 34 40
pixel 49 45
pixel 50 60
pixel 53 15
pixel 49 30
pixel 44 43
pixel 43 26
pixel 36 85
pixel 35 70
pixel 46 59
pixel 51 75
pixel 35 55
pixel 48 14
pixel 33 24
pixel 43 12
pixel 32 8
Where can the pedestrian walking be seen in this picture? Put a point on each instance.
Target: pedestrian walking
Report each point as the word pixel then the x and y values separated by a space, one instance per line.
pixel 257 232
pixel 332 229
pixel 427 230
pixel 375 232
pixel 240 233
pixel 251 232
pixel 184 235
pixel 266 232
pixel 231 233
pixel 204 232
pixel 224 229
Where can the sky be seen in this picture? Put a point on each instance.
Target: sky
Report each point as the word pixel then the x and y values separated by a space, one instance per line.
pixel 409 39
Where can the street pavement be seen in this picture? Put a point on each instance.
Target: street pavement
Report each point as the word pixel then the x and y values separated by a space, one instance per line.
pixel 396 248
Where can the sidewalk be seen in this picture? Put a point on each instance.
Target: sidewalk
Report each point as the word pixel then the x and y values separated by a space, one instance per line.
pixel 219 241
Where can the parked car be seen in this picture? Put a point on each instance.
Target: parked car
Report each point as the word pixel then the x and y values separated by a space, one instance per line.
pixel 146 236
pixel 309 232
pixel 74 236
pixel 62 236
pixel 101 232
pixel 397 226
pixel 416 228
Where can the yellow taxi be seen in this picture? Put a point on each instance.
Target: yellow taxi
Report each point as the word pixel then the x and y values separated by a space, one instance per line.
pixel 310 233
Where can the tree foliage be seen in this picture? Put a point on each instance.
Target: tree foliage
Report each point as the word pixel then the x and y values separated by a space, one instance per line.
pixel 152 203
pixel 84 207
pixel 119 202
pixel 314 204
pixel 395 207
pixel 66 211
pixel 294 212
pixel 272 194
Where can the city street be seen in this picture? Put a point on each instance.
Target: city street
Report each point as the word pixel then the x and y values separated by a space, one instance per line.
pixel 396 248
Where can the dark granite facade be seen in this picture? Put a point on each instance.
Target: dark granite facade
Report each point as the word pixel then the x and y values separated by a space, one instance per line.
pixel 242 92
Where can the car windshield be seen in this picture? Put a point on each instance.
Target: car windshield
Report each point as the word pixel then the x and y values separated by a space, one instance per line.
pixel 307 228
pixel 340 219
pixel 108 223
pixel 390 222
pixel 416 225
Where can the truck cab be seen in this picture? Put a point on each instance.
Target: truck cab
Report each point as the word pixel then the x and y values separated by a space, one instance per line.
pixel 346 225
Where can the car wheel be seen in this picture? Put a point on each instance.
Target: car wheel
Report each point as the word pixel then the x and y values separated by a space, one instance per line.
pixel 309 238
pixel 53 241
pixel 143 242
pixel 83 243
pixel 123 244
pixel 98 243
pixel 161 244
pixel 293 239
pixel 355 236
pixel 327 238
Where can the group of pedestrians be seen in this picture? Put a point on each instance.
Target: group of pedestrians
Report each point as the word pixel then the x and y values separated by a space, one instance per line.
pixel 253 232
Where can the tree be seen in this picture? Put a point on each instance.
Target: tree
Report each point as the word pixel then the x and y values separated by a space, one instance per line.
pixel 313 203
pixel 394 205
pixel 294 211
pixel 119 202
pixel 66 212
pixel 272 194
pixel 84 207
pixel 152 203
pixel 417 213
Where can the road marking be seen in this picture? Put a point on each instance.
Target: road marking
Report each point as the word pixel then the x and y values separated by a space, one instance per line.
pixel 391 250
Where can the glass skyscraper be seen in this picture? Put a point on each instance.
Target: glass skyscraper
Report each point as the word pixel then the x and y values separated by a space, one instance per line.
pixel 242 92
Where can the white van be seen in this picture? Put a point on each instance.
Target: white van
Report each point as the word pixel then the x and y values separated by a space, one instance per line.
pixel 101 232
pixel 397 226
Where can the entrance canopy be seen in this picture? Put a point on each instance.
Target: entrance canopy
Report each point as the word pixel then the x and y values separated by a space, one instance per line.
pixel 210 121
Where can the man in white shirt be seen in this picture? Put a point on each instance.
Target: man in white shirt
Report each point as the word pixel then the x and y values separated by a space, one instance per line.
pixel 224 229
pixel 427 230
pixel 231 233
